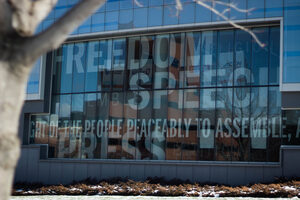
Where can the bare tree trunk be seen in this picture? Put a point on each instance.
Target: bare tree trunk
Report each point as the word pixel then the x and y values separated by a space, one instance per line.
pixel 12 87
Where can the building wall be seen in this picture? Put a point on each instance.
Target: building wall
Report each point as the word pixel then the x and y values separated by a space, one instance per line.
pixel 123 15
pixel 32 169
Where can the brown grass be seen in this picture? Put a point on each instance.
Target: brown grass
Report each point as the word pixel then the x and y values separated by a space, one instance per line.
pixel 161 187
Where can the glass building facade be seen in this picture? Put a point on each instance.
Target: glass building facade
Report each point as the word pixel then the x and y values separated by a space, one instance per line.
pixel 210 95
pixel 118 15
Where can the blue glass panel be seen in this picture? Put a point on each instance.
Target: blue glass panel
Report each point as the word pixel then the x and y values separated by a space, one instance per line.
pixel 79 64
pixel 126 4
pixel 98 22
pixel 155 16
pixel 291 56
pixel 242 69
pixel 170 17
pixel 86 26
pixel 258 7
pixel 166 2
pixel 105 62
pixel 119 60
pixel 102 8
pixel 111 21
pixel 208 59
pixel 59 11
pixel 221 8
pixel 141 3
pixel 274 8
pixel 186 1
pixel 225 58
pixel 51 15
pixel 92 66
pixel 66 69
pixel 47 23
pixel 140 17
pixel 155 3
pixel 260 59
pixel 112 5
pixel 126 19
pixel 241 4
pixel 274 55
pixel 34 79
pixel 203 14
pixel 187 15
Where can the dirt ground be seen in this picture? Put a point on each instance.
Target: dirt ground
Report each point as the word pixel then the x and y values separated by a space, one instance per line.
pixel 160 187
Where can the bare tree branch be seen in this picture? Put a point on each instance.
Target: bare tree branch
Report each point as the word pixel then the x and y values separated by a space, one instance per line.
pixel 234 24
pixel 204 3
pixel 58 32
pixel 138 3
pixel 231 5
pixel 5 18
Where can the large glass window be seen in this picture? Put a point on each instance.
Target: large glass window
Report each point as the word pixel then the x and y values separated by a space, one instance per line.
pixel 211 95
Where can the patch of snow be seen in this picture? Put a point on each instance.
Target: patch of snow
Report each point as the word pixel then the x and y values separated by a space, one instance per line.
pixel 289 188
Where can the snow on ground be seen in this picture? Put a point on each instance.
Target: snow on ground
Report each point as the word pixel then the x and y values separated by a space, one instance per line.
pixel 129 198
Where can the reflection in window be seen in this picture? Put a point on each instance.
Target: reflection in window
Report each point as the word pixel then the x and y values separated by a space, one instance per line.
pixel 258 123
pixel 242 69
pixel 133 63
pixel 274 55
pixel 145 120
pixel 187 15
pixel 241 122
pixel 114 125
pixel 260 57
pixel 111 21
pixel 39 130
pixel 223 129
pixel 176 60
pixel 33 83
pixel 130 131
pixel 91 75
pixel 206 124
pixel 126 19
pixel 76 126
pixel 174 136
pixel 91 145
pixel 146 62
pixel 140 17
pixel 170 17
pixel 190 116
pixel 143 140
pixel 79 64
pixel 65 70
pixel 103 125
pixel 291 128
pixel 192 71
pixel 105 62
pixel 274 123
pixel 258 7
pixel 161 59
pixel 62 137
pixel 118 67
pixel 225 58
pixel 160 113
pixel 208 58
pixel 155 16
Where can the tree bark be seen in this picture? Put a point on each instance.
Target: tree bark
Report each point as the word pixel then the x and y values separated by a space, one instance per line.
pixel 18 51
pixel 12 90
